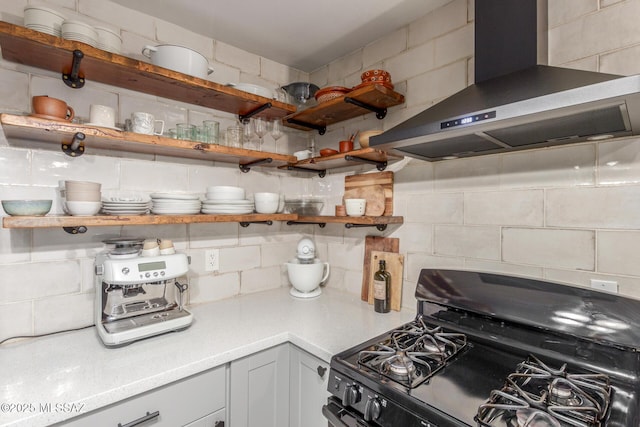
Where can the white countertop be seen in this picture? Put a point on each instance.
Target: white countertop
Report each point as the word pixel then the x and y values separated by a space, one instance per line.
pixel 75 367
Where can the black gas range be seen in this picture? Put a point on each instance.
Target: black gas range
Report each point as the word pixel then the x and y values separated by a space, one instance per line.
pixel 491 350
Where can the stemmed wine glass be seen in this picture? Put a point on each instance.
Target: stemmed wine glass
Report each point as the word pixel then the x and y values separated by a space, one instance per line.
pixel 260 128
pixel 276 129
pixel 248 132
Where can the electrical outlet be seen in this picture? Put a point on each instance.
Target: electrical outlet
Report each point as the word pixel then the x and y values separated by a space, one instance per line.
pixel 605 285
pixel 212 260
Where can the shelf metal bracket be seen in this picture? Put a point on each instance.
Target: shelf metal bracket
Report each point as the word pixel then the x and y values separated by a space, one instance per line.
pixel 320 224
pixel 246 167
pixel 76 147
pixel 244 118
pixel 380 227
pixel 320 128
pixel 245 224
pixel 80 229
pixel 321 173
pixel 381 113
pixel 73 79
pixel 380 165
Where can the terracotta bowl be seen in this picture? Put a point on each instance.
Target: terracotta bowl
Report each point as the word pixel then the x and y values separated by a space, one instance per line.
pixel 331 92
pixel 378 75
pixel 328 152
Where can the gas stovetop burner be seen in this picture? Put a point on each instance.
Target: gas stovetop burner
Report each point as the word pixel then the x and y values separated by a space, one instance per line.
pixel 412 353
pixel 539 396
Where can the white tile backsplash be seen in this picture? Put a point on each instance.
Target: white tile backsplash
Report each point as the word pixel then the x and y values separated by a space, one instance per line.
pixel 555 213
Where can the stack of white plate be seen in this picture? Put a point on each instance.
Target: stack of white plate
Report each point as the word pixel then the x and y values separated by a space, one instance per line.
pixel 175 203
pixel 126 204
pixel 109 39
pixel 227 207
pixel 223 199
pixel 80 32
pixel 43 19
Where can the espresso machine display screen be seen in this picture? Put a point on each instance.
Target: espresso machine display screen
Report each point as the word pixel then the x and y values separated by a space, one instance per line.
pixel 148 266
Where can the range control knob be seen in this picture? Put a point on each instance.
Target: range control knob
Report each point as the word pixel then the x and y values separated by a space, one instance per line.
pixel 351 395
pixel 372 409
pixel 125 270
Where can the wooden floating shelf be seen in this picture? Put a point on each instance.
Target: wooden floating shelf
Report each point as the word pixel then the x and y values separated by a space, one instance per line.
pixel 363 155
pixel 52 221
pixel 58 132
pixel 337 110
pixel 36 49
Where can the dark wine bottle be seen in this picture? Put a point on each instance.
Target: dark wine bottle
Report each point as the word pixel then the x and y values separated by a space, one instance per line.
pixel 382 289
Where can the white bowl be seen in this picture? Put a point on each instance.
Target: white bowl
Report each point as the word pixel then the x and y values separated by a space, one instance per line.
pixel 27 207
pixel 82 185
pixel 83 196
pixel 225 193
pixel 108 39
pixel 307 277
pixel 355 207
pixel 76 208
pixel 267 206
pixel 178 58
pixel 254 89
pixel 265 197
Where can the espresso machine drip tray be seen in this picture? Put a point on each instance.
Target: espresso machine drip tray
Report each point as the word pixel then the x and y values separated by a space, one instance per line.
pixel 151 319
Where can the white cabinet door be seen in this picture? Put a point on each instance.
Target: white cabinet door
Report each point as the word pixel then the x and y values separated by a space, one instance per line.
pixel 177 404
pixel 259 395
pixel 308 388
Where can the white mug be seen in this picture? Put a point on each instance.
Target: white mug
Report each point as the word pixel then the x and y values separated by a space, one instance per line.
pixel 101 115
pixel 145 123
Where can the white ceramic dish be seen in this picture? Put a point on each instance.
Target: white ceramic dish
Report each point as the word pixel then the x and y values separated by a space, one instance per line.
pixel 178 58
pixel 27 207
pixel 39 17
pixel 253 89
pixel 83 208
pixel 175 196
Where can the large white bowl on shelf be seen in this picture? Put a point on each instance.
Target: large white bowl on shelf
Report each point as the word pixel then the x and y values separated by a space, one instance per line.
pixel 178 58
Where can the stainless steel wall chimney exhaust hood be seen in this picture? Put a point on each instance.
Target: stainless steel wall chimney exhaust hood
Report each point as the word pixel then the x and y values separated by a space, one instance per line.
pixel 517 103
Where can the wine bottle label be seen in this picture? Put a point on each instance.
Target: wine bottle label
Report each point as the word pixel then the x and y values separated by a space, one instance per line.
pixel 379 289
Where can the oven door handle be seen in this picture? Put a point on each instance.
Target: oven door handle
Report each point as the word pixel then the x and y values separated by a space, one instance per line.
pixel 333 413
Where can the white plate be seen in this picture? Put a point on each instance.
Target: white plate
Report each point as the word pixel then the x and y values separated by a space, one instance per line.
pixel 103 126
pixel 227 212
pixel 126 205
pixel 108 212
pixel 175 196
pixel 228 202
pixel 175 211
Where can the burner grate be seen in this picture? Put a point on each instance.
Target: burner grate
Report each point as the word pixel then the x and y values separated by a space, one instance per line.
pixel 537 395
pixel 413 353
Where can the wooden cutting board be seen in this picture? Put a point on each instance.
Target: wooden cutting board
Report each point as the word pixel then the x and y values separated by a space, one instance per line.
pixel 373 194
pixel 363 181
pixel 395 266
pixel 375 243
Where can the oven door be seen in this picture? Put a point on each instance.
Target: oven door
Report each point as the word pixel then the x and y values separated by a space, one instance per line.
pixel 339 416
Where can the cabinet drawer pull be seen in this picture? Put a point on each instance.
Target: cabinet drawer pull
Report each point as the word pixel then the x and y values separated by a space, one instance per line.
pixel 321 370
pixel 149 416
pixel 219 424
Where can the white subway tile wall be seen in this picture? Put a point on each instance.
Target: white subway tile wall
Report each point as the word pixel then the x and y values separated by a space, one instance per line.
pixel 566 214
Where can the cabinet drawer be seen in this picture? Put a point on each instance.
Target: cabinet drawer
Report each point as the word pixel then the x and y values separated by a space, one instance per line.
pixel 212 420
pixel 178 404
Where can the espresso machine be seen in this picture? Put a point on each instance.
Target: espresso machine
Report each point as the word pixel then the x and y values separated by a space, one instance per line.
pixel 139 296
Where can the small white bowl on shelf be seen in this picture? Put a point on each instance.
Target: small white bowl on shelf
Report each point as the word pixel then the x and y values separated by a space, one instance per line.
pixel 77 208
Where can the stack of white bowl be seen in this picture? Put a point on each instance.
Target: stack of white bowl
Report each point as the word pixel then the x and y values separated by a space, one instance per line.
pixel 228 200
pixel 43 19
pixel 109 39
pixel 82 198
pixel 80 32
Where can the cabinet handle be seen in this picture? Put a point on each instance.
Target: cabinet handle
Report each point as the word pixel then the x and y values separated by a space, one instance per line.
pixel 219 424
pixel 149 416
pixel 321 371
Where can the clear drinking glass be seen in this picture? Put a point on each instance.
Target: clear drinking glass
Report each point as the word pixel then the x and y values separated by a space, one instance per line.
pixel 185 131
pixel 213 131
pixel 247 134
pixel 234 136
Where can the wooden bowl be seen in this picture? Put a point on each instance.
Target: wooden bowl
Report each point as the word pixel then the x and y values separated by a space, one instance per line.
pixel 364 137
pixel 331 92
pixel 328 152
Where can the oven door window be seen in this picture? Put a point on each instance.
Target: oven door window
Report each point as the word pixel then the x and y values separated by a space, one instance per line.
pixel 338 416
